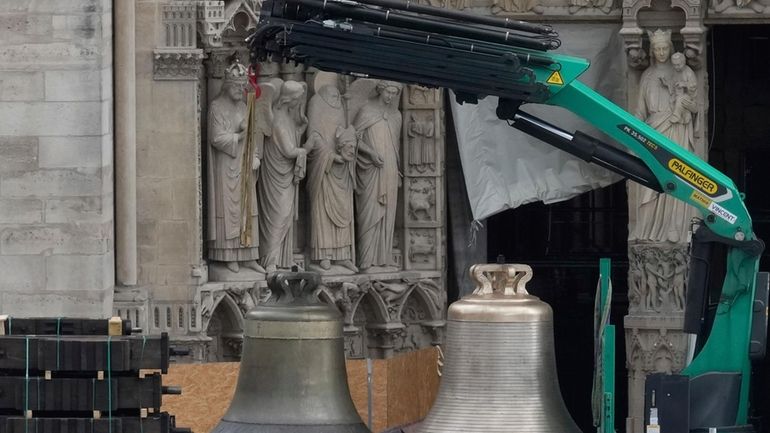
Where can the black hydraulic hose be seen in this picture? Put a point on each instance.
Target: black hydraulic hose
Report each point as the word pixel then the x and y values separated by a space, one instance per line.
pixel 464 45
pixel 411 6
pixel 588 149
pixel 387 17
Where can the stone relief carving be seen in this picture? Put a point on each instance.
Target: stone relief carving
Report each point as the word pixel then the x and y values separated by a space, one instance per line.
pixel 421 95
pixel 422 246
pixel 331 146
pixel 173 65
pixel 738 6
pixel 422 199
pixel 656 350
pixel 666 102
pixel 283 166
pixel 603 5
pixel 422 146
pixel 233 161
pixel 517 6
pixel 378 178
pixel 657 278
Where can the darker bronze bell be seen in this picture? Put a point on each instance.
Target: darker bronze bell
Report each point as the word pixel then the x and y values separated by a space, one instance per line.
pixel 292 377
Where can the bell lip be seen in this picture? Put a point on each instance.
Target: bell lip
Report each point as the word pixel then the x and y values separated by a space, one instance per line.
pixel 499 308
pixel 294 313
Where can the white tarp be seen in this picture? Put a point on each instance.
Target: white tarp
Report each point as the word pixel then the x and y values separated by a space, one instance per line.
pixel 505 168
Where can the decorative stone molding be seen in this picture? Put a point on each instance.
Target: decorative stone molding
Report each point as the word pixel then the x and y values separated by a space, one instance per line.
pixel 173 64
pixel 653 344
pixel 217 18
pixel 211 21
pixel 693 32
pixel 738 9
pixel 178 24
pixel 382 317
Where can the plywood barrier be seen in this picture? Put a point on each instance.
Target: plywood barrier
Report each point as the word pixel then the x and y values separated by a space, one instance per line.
pixel 403 390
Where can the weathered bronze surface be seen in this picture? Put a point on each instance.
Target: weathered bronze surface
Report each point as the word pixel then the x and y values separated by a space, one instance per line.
pixel 292 377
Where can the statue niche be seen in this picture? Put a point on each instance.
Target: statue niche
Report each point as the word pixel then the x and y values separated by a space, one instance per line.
pixel 232 163
pixel 283 166
pixel 378 178
pixel 331 147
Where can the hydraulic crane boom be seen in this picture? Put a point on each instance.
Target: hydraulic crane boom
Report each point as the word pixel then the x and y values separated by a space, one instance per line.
pixel 478 56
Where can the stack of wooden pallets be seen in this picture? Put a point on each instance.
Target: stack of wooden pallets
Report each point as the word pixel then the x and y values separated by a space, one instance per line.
pixel 60 375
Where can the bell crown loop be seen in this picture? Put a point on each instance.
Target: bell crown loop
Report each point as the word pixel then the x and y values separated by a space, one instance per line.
pixel 296 288
pixel 500 296
pixel 293 298
pixel 507 278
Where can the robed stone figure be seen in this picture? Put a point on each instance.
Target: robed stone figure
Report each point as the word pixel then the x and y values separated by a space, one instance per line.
pixel 233 217
pixel 283 166
pixel 378 124
pixel 331 150
pixel 661 217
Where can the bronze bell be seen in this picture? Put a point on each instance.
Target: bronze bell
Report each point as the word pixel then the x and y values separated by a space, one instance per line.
pixel 292 377
pixel 499 371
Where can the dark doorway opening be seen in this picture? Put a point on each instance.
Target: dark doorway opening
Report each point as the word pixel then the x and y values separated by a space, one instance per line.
pixel 739 121
pixel 563 243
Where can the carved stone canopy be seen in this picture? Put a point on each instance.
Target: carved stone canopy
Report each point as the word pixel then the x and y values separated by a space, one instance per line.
pixel 684 17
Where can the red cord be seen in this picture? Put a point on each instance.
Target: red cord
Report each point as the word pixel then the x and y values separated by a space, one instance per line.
pixel 253 75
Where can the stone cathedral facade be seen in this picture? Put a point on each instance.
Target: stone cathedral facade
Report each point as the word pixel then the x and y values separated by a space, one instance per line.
pixel 182 288
pixel 107 164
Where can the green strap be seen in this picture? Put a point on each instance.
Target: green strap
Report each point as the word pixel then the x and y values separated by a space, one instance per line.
pixel 26 385
pixel 141 361
pixel 58 341
pixel 109 379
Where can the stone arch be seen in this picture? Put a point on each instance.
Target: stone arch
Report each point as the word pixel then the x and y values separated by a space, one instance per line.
pixel 326 296
pixel 225 328
pixel 424 299
pixel 376 307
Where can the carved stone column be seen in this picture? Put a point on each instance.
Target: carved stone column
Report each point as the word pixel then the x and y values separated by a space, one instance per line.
pixel 125 143
pixel 422 163
pixel 659 225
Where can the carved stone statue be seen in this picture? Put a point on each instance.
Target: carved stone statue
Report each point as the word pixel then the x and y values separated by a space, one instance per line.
pixel 422 152
pixel 232 220
pixel 378 179
pixel 331 151
pixel 283 166
pixel 659 217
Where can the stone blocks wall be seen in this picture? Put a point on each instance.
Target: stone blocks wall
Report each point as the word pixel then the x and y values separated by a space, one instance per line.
pixel 168 173
pixel 56 163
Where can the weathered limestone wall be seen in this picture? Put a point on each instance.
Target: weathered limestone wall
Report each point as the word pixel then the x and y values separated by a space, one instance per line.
pixel 167 181
pixel 56 168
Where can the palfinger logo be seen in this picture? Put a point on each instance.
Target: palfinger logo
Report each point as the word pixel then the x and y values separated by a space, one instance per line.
pixel 692 176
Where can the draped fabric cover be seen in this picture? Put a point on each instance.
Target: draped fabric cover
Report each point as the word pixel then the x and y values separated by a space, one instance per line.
pixel 505 168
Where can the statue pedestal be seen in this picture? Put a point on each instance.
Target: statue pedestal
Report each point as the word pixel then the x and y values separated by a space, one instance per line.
pixel 219 272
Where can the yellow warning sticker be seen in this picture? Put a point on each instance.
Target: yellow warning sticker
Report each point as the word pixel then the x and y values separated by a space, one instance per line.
pixel 700 198
pixel 555 78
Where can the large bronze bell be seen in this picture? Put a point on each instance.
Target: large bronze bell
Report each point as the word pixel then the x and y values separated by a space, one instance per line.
pixel 292 377
pixel 499 372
